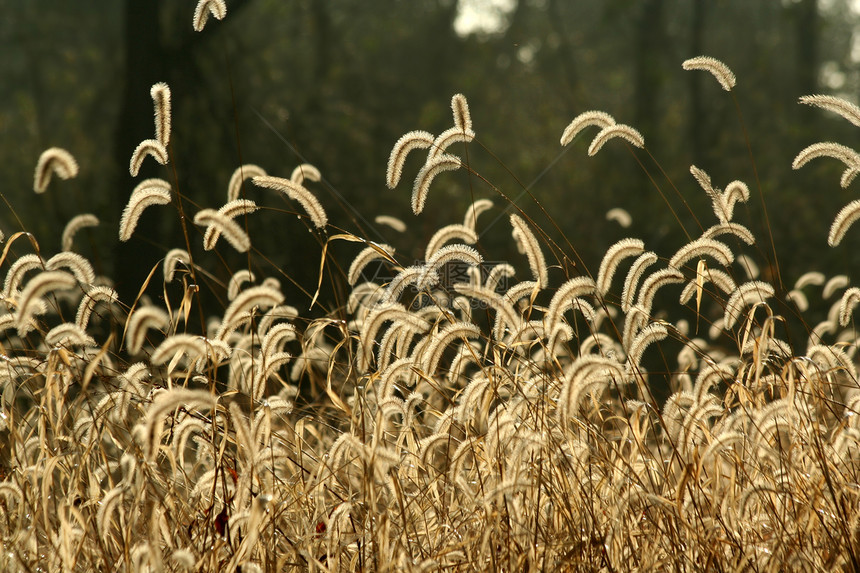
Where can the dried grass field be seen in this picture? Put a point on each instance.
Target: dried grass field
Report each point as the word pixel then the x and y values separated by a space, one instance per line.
pixel 451 414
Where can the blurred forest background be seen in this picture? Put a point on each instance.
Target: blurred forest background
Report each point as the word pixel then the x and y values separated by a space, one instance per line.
pixel 336 83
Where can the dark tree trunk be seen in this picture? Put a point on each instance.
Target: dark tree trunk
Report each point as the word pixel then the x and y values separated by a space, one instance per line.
pixel 144 66
pixel 648 44
pixel 567 59
pixel 805 15
pixel 806 18
pixel 649 41
pixel 694 81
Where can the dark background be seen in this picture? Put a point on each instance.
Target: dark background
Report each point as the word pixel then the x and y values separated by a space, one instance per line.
pixel 336 83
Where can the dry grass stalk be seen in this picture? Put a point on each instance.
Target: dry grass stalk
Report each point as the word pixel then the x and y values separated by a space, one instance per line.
pixel 432 421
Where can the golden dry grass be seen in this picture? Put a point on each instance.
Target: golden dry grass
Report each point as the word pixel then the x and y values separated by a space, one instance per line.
pixel 438 420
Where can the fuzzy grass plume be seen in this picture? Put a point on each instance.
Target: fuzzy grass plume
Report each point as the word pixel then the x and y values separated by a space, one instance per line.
pixel 434 420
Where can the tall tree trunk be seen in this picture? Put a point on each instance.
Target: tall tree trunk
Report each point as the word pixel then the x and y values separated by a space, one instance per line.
pixel 648 46
pixel 144 66
pixel 649 40
pixel 567 56
pixel 694 81
pixel 806 19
